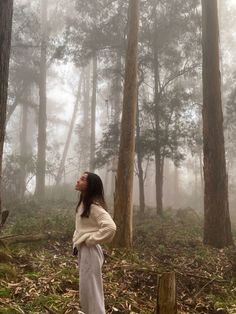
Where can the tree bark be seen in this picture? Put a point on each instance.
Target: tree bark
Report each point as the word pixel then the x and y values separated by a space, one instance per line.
pixel 23 148
pixel 117 112
pixel 166 299
pixel 69 135
pixel 217 227
pixel 158 158
pixel 6 10
pixel 176 188
pixel 159 165
pixel 11 109
pixel 123 203
pixel 42 114
pixel 117 89
pixel 84 136
pixel 140 168
pixel 93 115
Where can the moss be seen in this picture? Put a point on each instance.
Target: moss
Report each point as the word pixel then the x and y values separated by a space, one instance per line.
pixel 5 293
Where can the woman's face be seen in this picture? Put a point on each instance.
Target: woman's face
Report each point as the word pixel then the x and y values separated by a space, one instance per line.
pixel 82 183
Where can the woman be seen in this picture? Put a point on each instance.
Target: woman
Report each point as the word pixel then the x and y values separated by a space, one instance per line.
pixel 94 226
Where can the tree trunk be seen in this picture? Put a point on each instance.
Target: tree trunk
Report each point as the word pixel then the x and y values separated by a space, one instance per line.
pixel 23 148
pixel 176 187
pixel 42 114
pixel 11 109
pixel 159 182
pixel 158 163
pixel 117 112
pixel 217 227
pixel 93 115
pixel 69 135
pixel 139 162
pixel 166 299
pixel 201 171
pixel 6 10
pixel 84 136
pixel 123 203
pixel 117 89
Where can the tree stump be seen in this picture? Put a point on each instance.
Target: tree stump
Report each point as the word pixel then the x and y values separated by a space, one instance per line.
pixel 166 295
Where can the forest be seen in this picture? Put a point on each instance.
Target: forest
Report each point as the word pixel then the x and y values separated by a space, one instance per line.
pixel 142 93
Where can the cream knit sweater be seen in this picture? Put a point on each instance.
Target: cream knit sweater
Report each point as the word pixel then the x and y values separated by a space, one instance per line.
pixel 98 228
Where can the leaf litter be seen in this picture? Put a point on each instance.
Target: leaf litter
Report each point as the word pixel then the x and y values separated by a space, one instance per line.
pixel 45 278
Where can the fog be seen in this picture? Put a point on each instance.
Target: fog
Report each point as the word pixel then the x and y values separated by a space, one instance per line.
pixel 74 30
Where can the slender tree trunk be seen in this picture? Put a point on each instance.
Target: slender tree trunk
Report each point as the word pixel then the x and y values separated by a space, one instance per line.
pixel 176 187
pixel 158 163
pixel 84 136
pixel 6 10
pixel 86 104
pixel 139 162
pixel 159 182
pixel 93 115
pixel 23 148
pixel 117 112
pixel 123 203
pixel 42 115
pixel 69 135
pixel 117 89
pixel 217 227
pixel 106 181
pixel 11 109
pixel 201 170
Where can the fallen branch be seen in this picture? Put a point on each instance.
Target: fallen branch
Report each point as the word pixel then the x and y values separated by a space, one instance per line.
pixel 51 311
pixel 202 277
pixel 207 284
pixel 29 237
pixel 135 268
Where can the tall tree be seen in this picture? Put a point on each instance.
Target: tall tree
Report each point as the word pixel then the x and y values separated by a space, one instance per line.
pixel 23 145
pixel 159 161
pixel 6 10
pixel 42 115
pixel 83 129
pixel 139 163
pixel 124 183
pixel 93 114
pixel 69 135
pixel 217 228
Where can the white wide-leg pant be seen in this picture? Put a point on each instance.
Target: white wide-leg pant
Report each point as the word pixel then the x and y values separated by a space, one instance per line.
pixel 90 282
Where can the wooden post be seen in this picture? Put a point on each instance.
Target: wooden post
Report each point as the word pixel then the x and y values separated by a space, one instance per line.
pixel 166 297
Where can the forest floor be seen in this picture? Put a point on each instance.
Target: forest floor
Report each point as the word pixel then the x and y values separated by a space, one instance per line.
pixel 42 277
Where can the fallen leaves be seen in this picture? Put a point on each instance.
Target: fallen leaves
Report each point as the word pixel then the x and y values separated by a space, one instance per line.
pixel 46 277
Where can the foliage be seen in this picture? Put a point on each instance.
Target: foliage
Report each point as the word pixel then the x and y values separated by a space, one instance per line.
pixel 97 26
pixel 178 48
pixel 108 146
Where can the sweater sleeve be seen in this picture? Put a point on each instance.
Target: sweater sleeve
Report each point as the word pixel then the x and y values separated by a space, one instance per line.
pixel 106 225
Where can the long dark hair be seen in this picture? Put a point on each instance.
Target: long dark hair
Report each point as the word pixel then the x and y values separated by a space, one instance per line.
pixel 94 194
